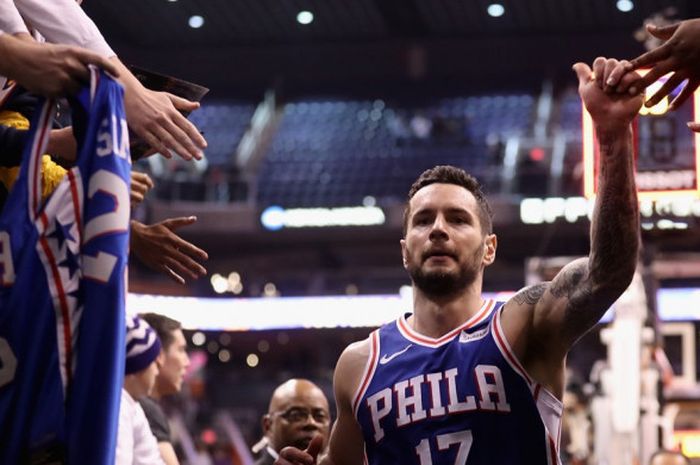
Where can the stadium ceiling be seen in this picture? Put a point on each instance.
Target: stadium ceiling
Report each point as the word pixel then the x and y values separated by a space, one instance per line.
pixel 251 45
pixel 164 23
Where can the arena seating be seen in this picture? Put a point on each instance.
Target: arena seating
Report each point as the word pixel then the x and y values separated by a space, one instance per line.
pixel 336 152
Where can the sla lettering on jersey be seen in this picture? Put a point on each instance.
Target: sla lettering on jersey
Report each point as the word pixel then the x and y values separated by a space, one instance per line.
pixel 407 394
pixel 113 138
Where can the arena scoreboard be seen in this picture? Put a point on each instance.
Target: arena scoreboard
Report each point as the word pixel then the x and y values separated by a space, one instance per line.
pixel 667 152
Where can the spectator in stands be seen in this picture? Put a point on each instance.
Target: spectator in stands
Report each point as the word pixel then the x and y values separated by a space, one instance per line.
pixel 158 247
pixel 154 116
pixel 679 55
pixel 298 411
pixel 172 365
pixel 135 442
pixel 668 457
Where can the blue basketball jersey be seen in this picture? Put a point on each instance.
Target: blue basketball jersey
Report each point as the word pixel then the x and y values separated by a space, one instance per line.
pixel 62 291
pixel 460 399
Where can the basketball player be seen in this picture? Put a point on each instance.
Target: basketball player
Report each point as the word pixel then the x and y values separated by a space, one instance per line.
pixel 298 411
pixel 464 380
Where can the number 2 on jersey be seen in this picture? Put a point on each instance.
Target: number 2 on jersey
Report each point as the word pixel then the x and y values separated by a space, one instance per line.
pixel 445 441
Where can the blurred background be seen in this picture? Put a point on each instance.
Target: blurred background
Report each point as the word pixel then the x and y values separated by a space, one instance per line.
pixel 321 113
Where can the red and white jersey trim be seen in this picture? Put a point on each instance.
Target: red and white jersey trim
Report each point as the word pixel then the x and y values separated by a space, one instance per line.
pixel 62 210
pixel 417 338
pixel 370 368
pixel 38 147
pixel 549 407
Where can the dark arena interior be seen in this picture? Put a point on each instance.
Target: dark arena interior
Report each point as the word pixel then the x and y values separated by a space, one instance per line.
pixel 320 115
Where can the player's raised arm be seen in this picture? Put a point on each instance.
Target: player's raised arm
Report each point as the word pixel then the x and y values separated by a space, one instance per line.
pixel 346 444
pixel 583 290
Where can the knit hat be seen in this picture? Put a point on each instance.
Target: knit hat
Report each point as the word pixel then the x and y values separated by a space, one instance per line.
pixel 142 345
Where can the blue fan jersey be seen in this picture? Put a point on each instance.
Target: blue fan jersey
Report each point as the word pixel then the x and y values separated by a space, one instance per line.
pixel 459 399
pixel 62 291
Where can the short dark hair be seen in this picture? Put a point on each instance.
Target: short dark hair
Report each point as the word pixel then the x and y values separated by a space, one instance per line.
pixel 446 174
pixel 675 453
pixel 164 326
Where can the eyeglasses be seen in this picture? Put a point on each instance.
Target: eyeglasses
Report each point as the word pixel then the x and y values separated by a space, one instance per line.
pixel 297 415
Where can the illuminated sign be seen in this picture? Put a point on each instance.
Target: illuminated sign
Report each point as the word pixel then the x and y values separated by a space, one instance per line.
pixel 575 209
pixel 359 311
pixel 274 218
pixel 688 442
pixel 667 152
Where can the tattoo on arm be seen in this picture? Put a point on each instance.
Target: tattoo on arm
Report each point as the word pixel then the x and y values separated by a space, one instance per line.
pixel 531 295
pixel 615 226
pixel 583 307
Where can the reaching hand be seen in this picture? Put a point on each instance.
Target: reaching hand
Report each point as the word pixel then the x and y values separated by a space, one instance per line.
pixel 141 183
pixel 159 248
pixel 48 69
pixel 679 54
pixel 294 456
pixel 154 117
pixel 610 111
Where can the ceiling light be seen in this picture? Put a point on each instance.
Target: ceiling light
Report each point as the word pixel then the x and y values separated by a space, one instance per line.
pixel 195 21
pixel 252 360
pixel 263 346
pixel 270 290
pixel 224 355
pixel 625 5
pixel 305 17
pixel 495 10
pixel 213 347
pixel 219 283
pixel 199 338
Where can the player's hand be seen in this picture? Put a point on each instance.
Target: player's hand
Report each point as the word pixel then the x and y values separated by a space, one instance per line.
pixel 611 112
pixel 294 456
pixel 159 248
pixel 141 183
pixel 154 117
pixel 49 69
pixel 679 54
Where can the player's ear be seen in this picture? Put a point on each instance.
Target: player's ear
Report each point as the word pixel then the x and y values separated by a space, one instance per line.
pixel 404 253
pixel 490 245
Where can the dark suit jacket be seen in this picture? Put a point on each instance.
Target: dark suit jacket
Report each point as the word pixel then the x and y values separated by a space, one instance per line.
pixel 265 458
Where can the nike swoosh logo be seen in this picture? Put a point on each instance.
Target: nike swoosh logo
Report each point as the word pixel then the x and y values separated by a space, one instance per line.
pixel 388 358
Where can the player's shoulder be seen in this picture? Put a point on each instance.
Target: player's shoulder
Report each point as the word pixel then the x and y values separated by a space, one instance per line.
pixel 356 353
pixel 351 366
